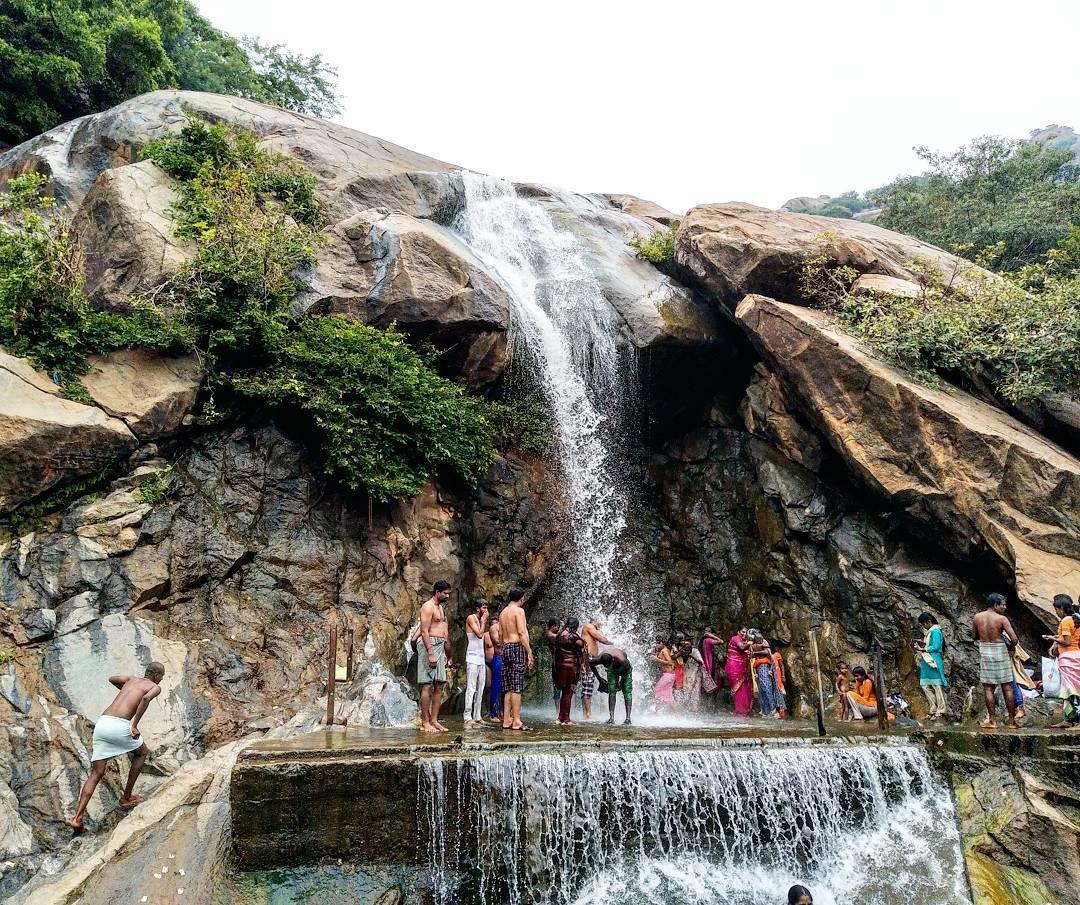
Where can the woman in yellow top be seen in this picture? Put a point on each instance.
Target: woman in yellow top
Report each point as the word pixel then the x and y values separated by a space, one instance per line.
pixel 1067 647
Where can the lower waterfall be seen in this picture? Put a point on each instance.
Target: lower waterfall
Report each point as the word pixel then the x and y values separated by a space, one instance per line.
pixel 860 824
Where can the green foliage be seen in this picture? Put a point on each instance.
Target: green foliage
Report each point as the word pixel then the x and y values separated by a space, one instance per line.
pixel 44 313
pixel 155 489
pixel 6 657
pixel 30 515
pixel 657 248
pixel 844 206
pixel 1019 333
pixel 385 419
pixel 65 58
pixel 1023 196
pixel 523 423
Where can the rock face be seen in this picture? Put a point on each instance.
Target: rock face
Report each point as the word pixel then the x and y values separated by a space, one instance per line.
pixel 45 439
pixel 730 250
pixel 944 458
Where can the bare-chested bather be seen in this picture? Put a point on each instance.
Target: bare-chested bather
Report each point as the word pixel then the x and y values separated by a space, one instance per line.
pixel 620 677
pixel 593 638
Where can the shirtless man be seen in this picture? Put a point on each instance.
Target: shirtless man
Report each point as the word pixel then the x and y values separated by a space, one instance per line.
pixel 434 659
pixel 517 658
pixel 990 629
pixel 620 677
pixel 493 656
pixel 593 638
pixel 117 733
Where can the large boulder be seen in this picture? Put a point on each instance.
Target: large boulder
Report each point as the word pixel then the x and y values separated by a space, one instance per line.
pixel 125 229
pixel 732 249
pixel 45 439
pixel 386 267
pixel 150 393
pixel 980 479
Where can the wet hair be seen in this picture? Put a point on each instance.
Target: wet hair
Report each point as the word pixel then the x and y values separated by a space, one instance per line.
pixel 994 599
pixel 479 602
pixel 1065 603
pixel 860 671
pixel 797 892
pixel 606 659
pixel 552 623
pixel 516 594
pixel 440 585
pixel 927 619
pixel 572 624
pixel 155 671
pixel 841 664
pixel 680 637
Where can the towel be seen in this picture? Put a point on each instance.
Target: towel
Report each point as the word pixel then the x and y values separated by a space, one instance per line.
pixel 112 737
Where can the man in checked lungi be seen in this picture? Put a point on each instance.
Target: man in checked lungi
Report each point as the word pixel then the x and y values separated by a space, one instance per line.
pixel 993 632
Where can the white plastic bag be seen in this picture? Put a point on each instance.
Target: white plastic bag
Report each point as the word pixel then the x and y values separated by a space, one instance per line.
pixel 1051 678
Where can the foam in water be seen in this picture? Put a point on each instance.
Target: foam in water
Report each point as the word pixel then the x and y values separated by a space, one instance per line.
pixel 866 824
pixel 560 314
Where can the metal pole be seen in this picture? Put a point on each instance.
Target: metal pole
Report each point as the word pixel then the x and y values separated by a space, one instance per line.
pixel 879 682
pixel 820 690
pixel 332 680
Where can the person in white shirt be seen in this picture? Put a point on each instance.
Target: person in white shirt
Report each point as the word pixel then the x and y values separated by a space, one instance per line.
pixel 475 665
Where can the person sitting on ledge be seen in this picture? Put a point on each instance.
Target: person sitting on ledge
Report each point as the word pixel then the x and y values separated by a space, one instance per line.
pixel 863 699
pixel 117 733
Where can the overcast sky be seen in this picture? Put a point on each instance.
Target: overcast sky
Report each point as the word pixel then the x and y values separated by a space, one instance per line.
pixel 685 102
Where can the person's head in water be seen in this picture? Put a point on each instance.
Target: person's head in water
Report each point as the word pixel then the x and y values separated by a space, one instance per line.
pixel 799 895
pixel 996 602
pixel 1064 605
pixel 441 591
pixel 606 659
pixel 517 595
pixel 155 672
pixel 572 624
pixel 927 619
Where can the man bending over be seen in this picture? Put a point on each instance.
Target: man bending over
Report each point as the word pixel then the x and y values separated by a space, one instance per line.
pixel 117 733
pixel 620 677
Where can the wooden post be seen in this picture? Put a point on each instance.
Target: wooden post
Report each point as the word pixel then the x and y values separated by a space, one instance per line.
pixel 332 680
pixel 879 683
pixel 820 690
pixel 349 656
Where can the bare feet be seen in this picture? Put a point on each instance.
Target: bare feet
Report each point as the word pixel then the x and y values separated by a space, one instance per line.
pixel 131 802
pixel 1014 725
pixel 1020 713
pixel 1064 724
pixel 439 727
pixel 427 727
pixel 988 724
pixel 77 825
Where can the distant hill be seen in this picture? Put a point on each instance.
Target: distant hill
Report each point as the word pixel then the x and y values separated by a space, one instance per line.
pixel 852 205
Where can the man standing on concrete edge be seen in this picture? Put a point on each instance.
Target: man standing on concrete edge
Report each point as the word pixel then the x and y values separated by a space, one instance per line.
pixel 433 661
pixel 593 638
pixel 517 658
pixel 990 629
pixel 117 733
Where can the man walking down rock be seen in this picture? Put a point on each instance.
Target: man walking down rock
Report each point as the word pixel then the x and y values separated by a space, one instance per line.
pixel 117 733
pixel 433 661
pixel 990 629
pixel 517 658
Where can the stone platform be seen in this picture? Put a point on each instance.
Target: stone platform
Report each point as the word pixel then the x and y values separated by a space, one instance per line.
pixel 352 793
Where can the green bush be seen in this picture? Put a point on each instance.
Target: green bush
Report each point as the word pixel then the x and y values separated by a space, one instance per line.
pixel 657 248
pixel 1020 334
pixel 154 489
pixel 44 313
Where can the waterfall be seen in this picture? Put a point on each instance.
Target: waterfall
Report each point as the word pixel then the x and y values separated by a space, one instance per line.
pixel 561 317
pixel 858 823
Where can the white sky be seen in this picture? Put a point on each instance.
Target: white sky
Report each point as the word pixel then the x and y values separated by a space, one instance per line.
pixel 686 102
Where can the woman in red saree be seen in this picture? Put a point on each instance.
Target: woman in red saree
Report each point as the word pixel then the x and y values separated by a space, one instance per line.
pixel 738 673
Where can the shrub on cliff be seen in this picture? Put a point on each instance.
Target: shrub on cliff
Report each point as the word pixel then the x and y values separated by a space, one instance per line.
pixel 658 248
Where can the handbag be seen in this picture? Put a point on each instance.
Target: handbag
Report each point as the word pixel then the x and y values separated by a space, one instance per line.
pixel 1051 678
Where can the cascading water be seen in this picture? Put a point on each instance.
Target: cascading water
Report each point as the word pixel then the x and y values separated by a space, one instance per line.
pixel 561 316
pixel 867 824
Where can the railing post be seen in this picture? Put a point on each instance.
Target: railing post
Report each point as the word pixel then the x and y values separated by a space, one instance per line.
pixel 349 656
pixel 332 679
pixel 879 682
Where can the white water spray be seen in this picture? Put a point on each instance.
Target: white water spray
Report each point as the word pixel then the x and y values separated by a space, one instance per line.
pixel 560 314
pixel 856 823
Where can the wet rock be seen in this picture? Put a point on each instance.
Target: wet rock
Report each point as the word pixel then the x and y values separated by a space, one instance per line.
pixel 946 459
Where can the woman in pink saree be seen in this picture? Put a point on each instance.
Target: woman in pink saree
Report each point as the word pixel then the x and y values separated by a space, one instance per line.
pixel 738 673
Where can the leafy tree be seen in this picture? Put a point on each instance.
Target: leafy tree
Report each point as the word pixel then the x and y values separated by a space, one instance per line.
pixel 1022 197
pixel 60 59
pixel 844 206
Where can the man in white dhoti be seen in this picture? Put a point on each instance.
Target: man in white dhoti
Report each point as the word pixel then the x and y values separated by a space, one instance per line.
pixel 117 733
